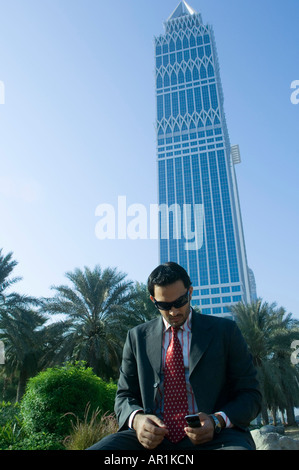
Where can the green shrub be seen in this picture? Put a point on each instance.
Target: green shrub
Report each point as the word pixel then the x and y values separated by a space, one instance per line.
pixel 39 441
pixel 54 394
pixel 8 412
pixel 10 424
pixel 10 433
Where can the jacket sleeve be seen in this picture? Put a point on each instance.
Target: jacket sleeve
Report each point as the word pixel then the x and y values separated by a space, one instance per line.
pixel 245 402
pixel 128 396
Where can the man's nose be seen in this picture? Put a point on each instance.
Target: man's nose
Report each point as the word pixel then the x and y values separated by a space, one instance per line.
pixel 174 311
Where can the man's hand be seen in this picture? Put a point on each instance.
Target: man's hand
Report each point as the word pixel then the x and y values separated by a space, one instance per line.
pixel 150 430
pixel 202 434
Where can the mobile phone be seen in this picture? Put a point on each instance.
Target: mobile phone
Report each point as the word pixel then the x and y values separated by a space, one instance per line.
pixel 193 421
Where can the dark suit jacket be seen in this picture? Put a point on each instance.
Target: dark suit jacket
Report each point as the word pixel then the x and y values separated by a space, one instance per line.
pixel 221 371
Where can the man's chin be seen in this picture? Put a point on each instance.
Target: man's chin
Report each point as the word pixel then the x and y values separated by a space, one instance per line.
pixel 176 322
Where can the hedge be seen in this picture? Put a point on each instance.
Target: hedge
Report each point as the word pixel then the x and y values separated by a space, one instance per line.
pixel 53 394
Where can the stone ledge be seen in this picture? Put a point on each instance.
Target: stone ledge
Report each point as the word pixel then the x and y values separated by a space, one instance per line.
pixel 265 440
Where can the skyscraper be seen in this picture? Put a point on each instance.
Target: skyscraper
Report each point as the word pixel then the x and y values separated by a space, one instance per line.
pixel 200 219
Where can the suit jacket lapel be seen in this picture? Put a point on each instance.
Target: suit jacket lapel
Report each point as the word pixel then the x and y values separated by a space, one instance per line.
pixel 154 345
pixel 201 337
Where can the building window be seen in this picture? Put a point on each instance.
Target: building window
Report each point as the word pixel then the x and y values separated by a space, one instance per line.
pixel 236 288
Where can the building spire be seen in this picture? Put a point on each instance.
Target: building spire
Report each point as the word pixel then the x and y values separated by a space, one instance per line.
pixel 181 10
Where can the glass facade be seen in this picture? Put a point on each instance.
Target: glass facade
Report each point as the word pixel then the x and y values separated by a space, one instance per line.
pixel 200 224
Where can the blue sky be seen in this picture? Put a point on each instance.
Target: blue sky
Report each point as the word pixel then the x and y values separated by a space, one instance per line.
pixel 77 130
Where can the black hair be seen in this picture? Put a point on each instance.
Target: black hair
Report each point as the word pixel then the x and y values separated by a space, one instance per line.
pixel 166 274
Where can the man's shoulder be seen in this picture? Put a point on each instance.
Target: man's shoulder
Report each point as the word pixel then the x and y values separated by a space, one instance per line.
pixel 145 327
pixel 213 321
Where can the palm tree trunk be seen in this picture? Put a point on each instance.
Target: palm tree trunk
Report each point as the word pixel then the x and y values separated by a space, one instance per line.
pixel 274 416
pixel 283 417
pixel 290 414
pixel 21 384
pixel 264 412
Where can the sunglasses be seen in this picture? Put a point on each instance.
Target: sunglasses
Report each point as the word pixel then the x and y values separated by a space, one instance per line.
pixel 180 302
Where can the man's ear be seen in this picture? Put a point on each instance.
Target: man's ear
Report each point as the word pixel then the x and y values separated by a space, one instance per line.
pixel 190 291
pixel 152 298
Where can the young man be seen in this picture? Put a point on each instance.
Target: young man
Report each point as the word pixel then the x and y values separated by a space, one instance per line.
pixel 179 364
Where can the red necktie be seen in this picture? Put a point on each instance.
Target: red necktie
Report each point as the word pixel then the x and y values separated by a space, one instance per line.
pixel 175 392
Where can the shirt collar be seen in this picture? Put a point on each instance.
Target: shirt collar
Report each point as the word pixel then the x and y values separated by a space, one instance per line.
pixel 185 326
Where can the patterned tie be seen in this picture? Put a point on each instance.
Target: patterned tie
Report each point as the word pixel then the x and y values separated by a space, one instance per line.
pixel 175 392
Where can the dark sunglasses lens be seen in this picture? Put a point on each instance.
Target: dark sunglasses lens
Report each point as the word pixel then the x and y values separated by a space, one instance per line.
pixel 180 302
pixel 163 305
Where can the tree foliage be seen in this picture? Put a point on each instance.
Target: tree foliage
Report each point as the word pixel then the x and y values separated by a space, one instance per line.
pixel 96 307
pixel 269 332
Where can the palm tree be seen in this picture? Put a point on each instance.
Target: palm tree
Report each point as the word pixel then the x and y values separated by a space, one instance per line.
pixel 22 337
pixel 287 330
pixel 7 265
pixel 141 307
pixel 269 333
pixel 96 310
pixel 18 327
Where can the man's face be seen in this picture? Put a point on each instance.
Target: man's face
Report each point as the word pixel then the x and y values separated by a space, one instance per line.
pixel 174 316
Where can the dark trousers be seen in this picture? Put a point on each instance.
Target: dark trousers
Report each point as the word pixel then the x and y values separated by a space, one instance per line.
pixel 228 439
